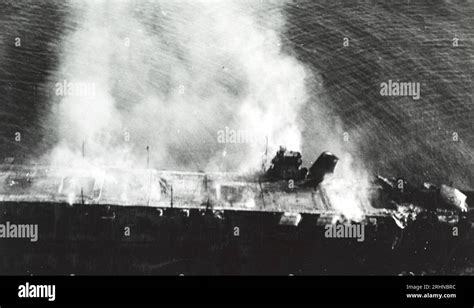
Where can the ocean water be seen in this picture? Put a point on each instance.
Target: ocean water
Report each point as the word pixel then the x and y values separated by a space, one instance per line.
pixel 430 139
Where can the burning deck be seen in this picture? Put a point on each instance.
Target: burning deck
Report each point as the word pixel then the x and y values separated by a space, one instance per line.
pixel 284 187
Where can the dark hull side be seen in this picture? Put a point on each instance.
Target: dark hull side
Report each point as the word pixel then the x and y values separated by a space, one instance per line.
pixel 93 240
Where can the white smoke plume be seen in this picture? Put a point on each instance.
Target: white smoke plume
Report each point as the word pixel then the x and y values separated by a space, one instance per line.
pixel 170 75
pixel 348 189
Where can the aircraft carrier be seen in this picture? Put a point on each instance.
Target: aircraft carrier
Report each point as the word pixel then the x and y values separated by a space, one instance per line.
pixel 145 221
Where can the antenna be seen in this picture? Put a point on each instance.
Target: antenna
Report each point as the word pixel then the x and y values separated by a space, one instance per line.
pixel 224 158
pixel 147 156
pixel 83 155
pixel 171 203
pixel 264 158
pixel 150 174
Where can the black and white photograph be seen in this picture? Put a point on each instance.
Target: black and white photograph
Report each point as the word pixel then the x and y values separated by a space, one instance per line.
pixel 237 138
